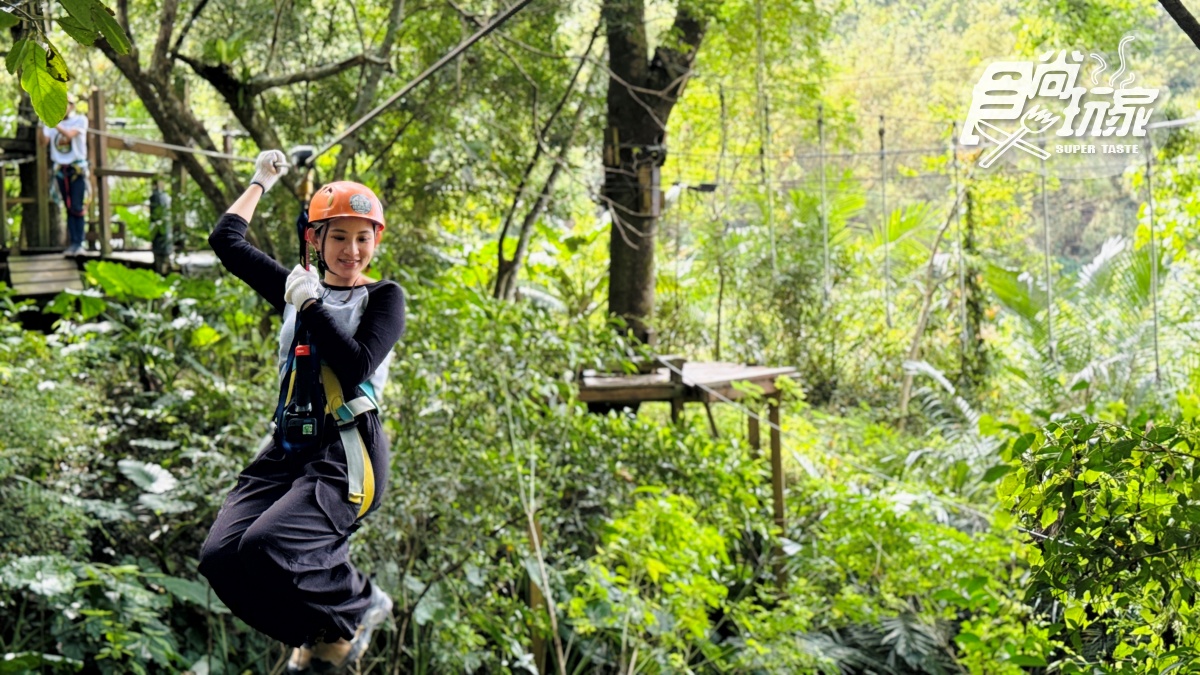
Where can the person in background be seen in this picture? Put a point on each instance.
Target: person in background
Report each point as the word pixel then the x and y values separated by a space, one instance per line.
pixel 68 155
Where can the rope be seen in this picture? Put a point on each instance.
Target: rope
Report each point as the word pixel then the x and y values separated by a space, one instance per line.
pixel 483 32
pixel 130 140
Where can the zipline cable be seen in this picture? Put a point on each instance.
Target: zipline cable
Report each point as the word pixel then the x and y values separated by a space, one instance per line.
pixel 450 56
pixel 358 124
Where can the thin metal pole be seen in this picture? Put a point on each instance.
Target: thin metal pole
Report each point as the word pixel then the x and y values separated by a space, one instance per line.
pixel 764 131
pixel 962 263
pixel 826 283
pixel 884 221
pixel 1153 254
pixel 1046 259
pixel 723 214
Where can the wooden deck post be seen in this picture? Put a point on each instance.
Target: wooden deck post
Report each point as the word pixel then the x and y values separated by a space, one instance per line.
pixel 677 400
pixel 3 209
pixel 536 599
pixel 100 162
pixel 777 485
pixel 177 178
pixel 42 188
pixel 752 433
pixel 776 462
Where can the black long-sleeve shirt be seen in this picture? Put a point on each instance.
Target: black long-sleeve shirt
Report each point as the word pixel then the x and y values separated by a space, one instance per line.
pixel 354 329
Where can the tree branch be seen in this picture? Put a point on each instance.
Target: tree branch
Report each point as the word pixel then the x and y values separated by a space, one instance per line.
pixel 1184 19
pixel 258 85
pixel 159 59
pixel 188 26
pixel 505 266
pixel 123 19
pixel 370 87
pixel 673 60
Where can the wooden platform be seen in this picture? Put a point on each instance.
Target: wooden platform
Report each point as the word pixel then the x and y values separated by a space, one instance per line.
pixel 700 383
pixel 678 382
pixel 43 274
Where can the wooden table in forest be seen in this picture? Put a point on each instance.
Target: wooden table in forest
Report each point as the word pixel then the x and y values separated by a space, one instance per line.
pixel 681 382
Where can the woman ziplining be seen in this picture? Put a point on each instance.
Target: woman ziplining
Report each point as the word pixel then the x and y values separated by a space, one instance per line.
pixel 278 553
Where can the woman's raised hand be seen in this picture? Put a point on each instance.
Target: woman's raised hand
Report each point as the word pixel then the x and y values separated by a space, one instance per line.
pixel 270 165
pixel 302 285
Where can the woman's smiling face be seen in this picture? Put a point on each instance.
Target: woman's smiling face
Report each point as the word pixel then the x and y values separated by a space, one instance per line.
pixel 348 247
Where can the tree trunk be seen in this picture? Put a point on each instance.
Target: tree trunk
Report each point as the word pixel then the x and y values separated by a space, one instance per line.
pixel 641 94
pixel 975 354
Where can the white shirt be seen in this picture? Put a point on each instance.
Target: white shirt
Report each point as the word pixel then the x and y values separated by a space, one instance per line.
pixel 347 307
pixel 64 150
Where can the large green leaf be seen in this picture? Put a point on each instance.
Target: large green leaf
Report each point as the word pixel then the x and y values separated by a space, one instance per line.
pixel 194 592
pixel 164 505
pixel 16 56
pixel 125 283
pixel 56 65
pixel 43 77
pixel 81 33
pixel 1014 293
pixel 28 662
pixel 7 19
pixel 107 23
pixel 149 477
pixel 81 11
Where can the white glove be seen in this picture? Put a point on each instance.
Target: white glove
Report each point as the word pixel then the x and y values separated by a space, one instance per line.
pixel 270 165
pixel 302 285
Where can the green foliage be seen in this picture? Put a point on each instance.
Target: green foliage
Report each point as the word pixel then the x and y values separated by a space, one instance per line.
pixel 1114 515
pixel 43 72
pixel 654 580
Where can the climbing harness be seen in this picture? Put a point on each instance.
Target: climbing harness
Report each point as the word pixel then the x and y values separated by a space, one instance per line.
pixel 358 463
pixel 303 406
pixel 303 403
pixel 297 427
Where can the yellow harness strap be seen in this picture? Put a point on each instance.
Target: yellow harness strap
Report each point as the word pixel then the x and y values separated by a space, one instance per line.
pixel 358 462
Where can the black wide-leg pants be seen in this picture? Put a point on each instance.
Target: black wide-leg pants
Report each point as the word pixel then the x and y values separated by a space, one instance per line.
pixel 279 552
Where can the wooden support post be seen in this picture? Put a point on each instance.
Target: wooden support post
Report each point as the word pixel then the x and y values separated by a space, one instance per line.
pixel 537 600
pixel 42 188
pixel 752 434
pixel 177 176
pixel 100 162
pixel 712 423
pixel 777 485
pixel 3 209
pixel 776 462
pixel 677 398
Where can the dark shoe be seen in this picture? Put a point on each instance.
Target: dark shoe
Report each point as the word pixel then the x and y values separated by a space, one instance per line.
pixel 379 611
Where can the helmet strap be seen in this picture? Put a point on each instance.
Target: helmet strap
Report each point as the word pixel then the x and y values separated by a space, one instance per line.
pixel 321 267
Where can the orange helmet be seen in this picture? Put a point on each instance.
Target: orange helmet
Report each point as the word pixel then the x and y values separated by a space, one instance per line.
pixel 345 198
